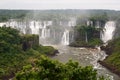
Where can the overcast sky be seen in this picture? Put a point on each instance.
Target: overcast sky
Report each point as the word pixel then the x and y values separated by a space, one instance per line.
pixel 60 4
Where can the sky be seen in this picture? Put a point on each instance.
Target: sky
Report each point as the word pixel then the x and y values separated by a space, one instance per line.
pixel 60 4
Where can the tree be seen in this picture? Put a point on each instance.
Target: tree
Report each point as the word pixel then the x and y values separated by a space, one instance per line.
pixel 47 69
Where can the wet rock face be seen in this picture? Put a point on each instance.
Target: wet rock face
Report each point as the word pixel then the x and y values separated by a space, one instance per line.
pixel 117 30
pixel 55 52
pixel 108 49
pixel 30 41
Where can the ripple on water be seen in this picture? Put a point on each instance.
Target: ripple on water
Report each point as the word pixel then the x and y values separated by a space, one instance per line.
pixel 85 57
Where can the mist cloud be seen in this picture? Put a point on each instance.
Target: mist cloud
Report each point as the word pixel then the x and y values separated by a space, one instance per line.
pixel 60 4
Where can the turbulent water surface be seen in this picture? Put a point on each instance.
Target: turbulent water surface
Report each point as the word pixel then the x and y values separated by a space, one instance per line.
pixel 85 57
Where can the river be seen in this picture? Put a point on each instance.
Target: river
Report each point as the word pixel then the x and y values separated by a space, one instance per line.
pixel 85 57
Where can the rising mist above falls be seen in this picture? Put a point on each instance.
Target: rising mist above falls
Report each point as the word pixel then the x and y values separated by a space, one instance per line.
pixel 58 26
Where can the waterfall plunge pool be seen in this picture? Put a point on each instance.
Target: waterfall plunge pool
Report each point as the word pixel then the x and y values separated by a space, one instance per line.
pixel 85 57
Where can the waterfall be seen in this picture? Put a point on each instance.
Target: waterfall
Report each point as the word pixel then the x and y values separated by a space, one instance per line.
pixel 108 31
pixel 65 38
pixel 48 32
pixel 45 33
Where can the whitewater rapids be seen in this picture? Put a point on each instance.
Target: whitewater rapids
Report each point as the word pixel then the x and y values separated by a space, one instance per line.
pixel 85 57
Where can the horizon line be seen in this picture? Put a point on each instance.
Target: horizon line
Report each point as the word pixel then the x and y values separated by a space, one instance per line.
pixel 59 9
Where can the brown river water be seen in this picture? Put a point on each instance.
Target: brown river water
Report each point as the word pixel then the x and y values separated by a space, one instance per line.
pixel 85 57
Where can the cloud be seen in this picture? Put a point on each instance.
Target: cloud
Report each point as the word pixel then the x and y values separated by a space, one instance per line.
pixel 60 4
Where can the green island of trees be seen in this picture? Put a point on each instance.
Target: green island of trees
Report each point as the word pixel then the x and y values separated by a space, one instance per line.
pixel 87 36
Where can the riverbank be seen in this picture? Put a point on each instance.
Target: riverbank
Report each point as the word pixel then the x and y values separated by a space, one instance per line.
pixel 112 64
pixel 85 57
pixel 111 67
pixel 112 61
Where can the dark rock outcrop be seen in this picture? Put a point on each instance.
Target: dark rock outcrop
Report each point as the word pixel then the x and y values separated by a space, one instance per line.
pixel 29 41
pixel 108 49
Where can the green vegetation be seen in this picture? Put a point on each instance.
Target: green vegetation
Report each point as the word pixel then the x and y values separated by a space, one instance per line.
pixel 48 50
pixel 102 18
pixel 87 36
pixel 113 60
pixel 5 15
pixel 54 15
pixel 92 43
pixel 95 41
pixel 18 50
pixel 46 69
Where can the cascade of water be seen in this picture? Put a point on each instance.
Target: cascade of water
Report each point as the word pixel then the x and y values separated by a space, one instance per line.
pixel 101 56
pixel 35 26
pixel 65 38
pixel 97 24
pixel 108 31
pixel 2 24
pixel 45 33
pixel 45 30
pixel 48 33
pixel 88 23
